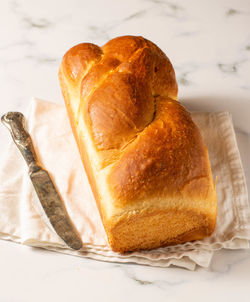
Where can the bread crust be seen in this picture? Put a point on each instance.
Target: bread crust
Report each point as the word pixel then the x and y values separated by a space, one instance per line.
pixel 145 159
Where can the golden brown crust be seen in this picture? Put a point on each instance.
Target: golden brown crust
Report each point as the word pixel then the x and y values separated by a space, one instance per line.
pixel 80 143
pixel 145 159
pixel 75 63
pixel 165 157
pixel 160 228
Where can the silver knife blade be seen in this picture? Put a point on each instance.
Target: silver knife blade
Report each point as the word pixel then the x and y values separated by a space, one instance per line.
pixel 54 208
pixel 42 182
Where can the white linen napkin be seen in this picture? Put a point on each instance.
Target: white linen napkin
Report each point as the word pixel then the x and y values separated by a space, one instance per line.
pixel 22 218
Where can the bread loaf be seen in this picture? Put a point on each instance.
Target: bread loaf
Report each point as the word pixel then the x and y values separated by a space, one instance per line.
pixel 146 161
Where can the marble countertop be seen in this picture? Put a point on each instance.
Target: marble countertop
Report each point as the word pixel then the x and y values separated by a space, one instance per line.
pixel 208 43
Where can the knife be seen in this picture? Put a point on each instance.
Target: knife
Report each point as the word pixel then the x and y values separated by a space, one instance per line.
pixel 44 187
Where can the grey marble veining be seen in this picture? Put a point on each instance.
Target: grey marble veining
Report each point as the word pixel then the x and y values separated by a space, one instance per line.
pixel 208 43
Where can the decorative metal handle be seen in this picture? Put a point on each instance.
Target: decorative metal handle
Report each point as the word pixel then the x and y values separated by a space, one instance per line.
pixel 15 122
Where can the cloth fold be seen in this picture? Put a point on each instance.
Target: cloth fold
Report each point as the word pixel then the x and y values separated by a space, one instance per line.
pixel 23 220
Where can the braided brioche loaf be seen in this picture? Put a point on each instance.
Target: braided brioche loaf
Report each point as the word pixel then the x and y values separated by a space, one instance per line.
pixel 147 164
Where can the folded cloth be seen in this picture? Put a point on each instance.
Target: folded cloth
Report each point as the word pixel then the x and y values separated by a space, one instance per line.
pixel 23 220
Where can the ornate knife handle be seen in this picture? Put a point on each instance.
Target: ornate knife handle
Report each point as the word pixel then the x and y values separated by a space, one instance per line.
pixel 15 122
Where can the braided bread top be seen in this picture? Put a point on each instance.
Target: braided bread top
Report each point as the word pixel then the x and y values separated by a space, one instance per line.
pixel 124 95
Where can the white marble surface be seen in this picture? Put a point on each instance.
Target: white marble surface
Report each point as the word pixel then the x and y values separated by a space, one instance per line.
pixel 208 43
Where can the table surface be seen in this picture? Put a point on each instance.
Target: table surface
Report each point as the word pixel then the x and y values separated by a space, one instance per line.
pixel 208 43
